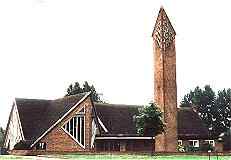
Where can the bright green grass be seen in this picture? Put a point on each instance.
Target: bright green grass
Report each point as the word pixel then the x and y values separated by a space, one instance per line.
pixel 7 157
pixel 119 157
pixel 144 157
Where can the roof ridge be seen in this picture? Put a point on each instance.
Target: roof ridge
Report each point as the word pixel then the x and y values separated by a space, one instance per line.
pixel 38 99
pixel 119 105
pixel 70 96
pixel 41 99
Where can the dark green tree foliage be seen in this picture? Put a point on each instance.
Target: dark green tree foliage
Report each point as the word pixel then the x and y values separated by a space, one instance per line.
pixel 223 110
pixel 214 110
pixel 205 147
pixel 199 97
pixel 2 132
pixel 76 89
pixel 149 121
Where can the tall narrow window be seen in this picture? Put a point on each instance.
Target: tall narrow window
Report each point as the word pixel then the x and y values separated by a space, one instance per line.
pixel 75 127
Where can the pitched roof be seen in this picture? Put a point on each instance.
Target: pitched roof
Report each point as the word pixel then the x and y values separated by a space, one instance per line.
pixel 190 125
pixel 37 116
pixel 117 118
pixel 163 32
pixel 119 121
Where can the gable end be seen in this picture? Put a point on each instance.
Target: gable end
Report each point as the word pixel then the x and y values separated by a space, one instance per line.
pixel 59 120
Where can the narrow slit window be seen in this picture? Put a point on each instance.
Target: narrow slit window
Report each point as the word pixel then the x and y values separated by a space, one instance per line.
pixel 78 127
pixel 74 129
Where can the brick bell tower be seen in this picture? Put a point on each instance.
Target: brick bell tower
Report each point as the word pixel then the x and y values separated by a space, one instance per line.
pixel 165 90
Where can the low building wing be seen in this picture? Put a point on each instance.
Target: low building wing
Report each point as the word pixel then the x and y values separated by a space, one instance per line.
pixel 103 125
pixel 117 119
pixel 190 126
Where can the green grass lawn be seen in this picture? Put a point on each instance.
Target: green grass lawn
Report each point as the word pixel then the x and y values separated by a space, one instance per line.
pixel 7 157
pixel 144 157
pixel 119 157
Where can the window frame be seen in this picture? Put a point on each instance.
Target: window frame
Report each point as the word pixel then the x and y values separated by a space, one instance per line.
pixel 180 142
pixel 194 145
pixel 209 141
pixel 78 115
pixel 41 146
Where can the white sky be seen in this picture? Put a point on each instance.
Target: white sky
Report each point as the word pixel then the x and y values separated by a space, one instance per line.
pixel 47 44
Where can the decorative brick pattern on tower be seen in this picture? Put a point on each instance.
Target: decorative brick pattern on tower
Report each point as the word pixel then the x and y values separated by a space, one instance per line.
pixel 165 90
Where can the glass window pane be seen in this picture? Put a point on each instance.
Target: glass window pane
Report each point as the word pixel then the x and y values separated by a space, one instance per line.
pixel 71 126
pixel 82 131
pixel 78 128
pixel 68 127
pixel 75 127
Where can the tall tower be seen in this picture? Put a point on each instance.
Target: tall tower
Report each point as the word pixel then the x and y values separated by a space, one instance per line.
pixel 165 90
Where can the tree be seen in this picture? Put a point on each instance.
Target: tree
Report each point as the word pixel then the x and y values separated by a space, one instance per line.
pixel 149 121
pixel 223 110
pixel 213 109
pixel 199 97
pixel 76 89
pixel 2 132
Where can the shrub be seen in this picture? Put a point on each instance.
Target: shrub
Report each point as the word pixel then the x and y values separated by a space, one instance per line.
pixel 180 148
pixel 206 146
pixel 21 145
pixel 192 149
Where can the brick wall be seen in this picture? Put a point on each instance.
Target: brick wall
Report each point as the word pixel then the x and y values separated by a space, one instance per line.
pixel 132 145
pixel 165 95
pixel 58 140
pixel 218 145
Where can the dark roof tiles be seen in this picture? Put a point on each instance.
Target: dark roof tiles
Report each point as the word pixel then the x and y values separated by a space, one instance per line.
pixel 190 125
pixel 38 115
pixel 118 119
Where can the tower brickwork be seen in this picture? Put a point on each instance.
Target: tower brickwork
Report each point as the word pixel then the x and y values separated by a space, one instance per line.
pixel 165 89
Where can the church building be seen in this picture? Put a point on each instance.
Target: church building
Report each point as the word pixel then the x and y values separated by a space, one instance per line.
pixel 77 124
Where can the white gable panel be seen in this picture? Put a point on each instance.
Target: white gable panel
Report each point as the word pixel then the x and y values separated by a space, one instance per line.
pixel 14 132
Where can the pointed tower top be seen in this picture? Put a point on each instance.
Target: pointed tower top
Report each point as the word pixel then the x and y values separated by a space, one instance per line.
pixel 163 32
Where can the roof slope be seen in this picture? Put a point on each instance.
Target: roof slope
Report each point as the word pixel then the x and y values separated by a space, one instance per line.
pixel 38 115
pixel 190 125
pixel 118 119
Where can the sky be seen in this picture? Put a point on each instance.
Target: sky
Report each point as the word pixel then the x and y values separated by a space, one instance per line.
pixel 45 45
